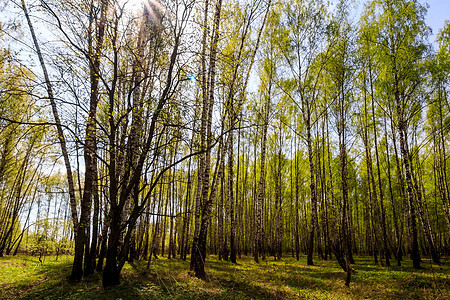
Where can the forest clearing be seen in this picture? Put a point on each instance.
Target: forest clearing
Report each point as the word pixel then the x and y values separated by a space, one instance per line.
pixel 24 277
pixel 224 149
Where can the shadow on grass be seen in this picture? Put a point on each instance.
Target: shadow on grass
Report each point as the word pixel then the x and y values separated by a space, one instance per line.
pixel 168 279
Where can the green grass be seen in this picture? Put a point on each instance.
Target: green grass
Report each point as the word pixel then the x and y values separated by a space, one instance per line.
pixel 24 277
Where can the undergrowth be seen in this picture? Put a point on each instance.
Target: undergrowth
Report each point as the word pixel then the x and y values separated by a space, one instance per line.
pixel 25 277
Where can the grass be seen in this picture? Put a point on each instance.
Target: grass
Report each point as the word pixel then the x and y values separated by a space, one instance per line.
pixel 24 277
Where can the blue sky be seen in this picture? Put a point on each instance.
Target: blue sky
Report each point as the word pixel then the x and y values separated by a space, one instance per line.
pixel 438 12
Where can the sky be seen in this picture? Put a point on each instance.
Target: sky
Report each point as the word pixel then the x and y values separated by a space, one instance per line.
pixel 438 12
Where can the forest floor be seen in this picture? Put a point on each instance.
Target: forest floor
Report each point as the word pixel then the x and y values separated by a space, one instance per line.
pixel 24 277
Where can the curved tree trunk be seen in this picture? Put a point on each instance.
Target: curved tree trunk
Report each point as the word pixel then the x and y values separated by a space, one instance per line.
pixel 77 265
